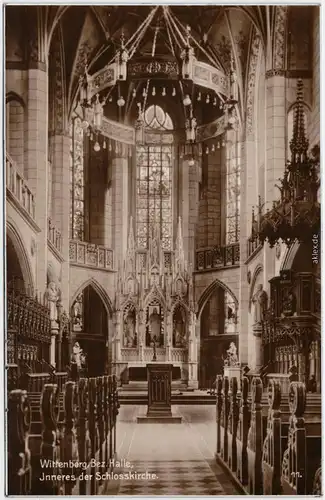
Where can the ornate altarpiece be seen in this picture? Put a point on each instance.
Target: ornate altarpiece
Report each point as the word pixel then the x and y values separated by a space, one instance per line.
pixel 154 308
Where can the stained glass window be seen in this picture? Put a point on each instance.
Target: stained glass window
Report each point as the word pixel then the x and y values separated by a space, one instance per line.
pixel 77 206
pixel 154 182
pixel 233 193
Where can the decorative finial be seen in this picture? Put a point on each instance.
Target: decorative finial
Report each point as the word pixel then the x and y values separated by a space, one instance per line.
pixel 299 143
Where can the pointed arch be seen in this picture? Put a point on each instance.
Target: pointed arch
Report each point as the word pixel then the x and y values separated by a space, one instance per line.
pixel 155 293
pixel 13 234
pixel 179 303
pixel 129 303
pixel 99 290
pixel 209 291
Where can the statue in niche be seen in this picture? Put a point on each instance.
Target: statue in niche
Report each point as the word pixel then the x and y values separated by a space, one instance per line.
pixel 179 329
pixel 232 358
pixel 77 314
pixel 155 326
pixel 52 295
pixel 129 329
pixel 259 300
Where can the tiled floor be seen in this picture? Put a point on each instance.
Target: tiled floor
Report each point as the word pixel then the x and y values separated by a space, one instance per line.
pixel 178 459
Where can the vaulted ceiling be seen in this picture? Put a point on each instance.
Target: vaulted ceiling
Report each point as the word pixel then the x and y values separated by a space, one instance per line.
pixel 75 35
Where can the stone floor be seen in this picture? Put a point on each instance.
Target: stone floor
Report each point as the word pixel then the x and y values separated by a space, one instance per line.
pixel 174 459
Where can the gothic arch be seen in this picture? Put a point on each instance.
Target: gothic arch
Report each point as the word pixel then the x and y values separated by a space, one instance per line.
pixel 208 292
pixel 180 303
pixel 12 96
pixel 257 271
pixel 155 293
pixel 99 290
pixel 23 259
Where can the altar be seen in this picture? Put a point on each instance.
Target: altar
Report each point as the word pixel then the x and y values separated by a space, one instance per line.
pixel 154 314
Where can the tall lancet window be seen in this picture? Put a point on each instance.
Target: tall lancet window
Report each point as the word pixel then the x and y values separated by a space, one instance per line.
pixel 154 205
pixel 233 193
pixel 77 187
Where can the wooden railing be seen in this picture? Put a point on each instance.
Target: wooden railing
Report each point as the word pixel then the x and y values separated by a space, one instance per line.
pixel 263 443
pixel 54 236
pixel 214 258
pixel 64 436
pixel 91 255
pixel 18 187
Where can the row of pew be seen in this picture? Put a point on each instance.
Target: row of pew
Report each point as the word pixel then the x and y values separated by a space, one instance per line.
pixel 62 438
pixel 264 439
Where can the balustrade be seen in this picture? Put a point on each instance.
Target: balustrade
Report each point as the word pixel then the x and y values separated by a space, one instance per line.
pixel 54 236
pixel 214 258
pixel 88 254
pixel 18 187
pixel 53 436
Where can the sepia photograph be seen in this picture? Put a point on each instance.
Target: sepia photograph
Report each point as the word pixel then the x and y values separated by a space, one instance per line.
pixel 162 249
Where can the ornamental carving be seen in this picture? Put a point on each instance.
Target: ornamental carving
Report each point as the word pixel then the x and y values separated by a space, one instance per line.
pixel 279 36
pixel 254 52
pixel 140 69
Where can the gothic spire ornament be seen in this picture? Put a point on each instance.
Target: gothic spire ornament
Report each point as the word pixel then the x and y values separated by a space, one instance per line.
pixel 296 216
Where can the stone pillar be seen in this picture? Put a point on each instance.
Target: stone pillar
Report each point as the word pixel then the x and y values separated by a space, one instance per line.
pixel 276 122
pixel 61 204
pixel 36 156
pixel 189 189
pixel 120 215
pixel 193 382
pixel 247 154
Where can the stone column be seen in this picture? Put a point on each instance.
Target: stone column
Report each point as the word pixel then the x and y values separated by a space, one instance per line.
pixel 192 353
pixel 36 156
pixel 61 204
pixel 247 154
pixel 120 215
pixel 189 190
pixel 276 122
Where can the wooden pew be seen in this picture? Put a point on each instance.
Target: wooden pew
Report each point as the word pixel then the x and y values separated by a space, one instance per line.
pixel 304 439
pixel 254 441
pixel 19 459
pixel 233 422
pixel 272 452
pixel 242 432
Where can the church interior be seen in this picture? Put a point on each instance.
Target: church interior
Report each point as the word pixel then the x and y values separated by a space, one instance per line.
pixel 162 169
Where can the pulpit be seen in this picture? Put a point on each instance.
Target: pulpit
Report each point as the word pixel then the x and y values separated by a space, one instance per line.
pixel 159 410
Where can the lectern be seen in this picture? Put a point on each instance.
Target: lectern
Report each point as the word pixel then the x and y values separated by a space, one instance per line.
pixel 159 378
pixel 159 390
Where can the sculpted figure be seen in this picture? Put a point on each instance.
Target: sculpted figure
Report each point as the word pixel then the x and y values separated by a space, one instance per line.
pixel 259 300
pixel 232 358
pixel 154 322
pixel 52 295
pixel 129 329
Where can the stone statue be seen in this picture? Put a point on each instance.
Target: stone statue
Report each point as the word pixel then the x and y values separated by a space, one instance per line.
pixel 259 300
pixel 129 329
pixel 77 314
pixel 232 358
pixel 155 323
pixel 78 357
pixel 52 295
pixel 179 331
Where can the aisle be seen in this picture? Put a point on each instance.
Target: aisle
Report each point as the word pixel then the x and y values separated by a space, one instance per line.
pixel 170 459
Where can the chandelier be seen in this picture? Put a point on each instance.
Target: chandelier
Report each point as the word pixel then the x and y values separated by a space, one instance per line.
pixel 296 216
pixel 177 71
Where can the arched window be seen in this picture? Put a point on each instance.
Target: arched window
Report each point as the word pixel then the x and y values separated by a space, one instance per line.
pixel 233 193
pixel 154 179
pixel 77 185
